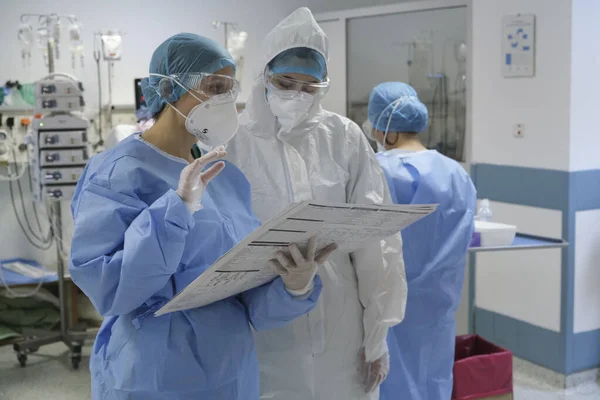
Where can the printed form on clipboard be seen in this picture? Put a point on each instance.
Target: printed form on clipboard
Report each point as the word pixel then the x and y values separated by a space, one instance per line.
pixel 246 266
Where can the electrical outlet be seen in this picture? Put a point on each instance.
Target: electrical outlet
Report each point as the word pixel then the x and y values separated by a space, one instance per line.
pixel 519 130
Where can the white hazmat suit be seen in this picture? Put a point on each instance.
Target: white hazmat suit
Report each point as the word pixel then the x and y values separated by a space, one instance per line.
pixel 324 158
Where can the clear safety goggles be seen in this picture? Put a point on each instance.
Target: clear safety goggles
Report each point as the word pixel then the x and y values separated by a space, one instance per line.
pixel 218 88
pixel 286 84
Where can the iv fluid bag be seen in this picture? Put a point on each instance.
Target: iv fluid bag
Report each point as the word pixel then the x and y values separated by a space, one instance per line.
pixel 111 47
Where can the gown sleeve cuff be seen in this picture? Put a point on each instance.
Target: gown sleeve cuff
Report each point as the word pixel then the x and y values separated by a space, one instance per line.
pixel 303 293
pixel 177 212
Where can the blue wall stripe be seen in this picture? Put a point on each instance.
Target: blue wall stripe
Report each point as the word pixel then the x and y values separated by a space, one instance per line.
pixel 527 341
pixel 526 186
pixel 585 189
pixel 567 309
pixel 585 350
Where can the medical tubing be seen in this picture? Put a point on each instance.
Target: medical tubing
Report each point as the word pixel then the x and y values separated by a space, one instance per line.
pixel 29 239
pixel 10 178
pixel 48 236
pixel 39 237
pixel 11 294
pixel 44 245
pixel 34 205
pixel 44 240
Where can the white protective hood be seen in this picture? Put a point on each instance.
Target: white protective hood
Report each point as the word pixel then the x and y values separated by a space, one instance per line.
pixel 324 158
pixel 299 29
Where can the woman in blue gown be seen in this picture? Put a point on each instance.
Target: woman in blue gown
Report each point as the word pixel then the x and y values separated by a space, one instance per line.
pixel 149 219
pixel 435 248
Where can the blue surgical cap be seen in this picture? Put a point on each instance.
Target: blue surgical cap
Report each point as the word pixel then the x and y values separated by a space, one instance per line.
pixel 181 54
pixel 399 104
pixel 300 60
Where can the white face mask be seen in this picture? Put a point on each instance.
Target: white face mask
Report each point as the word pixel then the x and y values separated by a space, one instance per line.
pixel 380 147
pixel 290 111
pixel 212 124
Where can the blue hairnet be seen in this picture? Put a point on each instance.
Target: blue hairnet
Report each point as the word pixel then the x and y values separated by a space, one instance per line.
pixel 300 60
pixel 181 54
pixel 399 104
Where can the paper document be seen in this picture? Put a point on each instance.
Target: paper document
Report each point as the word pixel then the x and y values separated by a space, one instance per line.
pixel 246 266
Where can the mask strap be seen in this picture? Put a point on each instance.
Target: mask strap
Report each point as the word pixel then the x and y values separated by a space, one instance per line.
pixel 395 104
pixel 387 128
pixel 389 119
pixel 179 84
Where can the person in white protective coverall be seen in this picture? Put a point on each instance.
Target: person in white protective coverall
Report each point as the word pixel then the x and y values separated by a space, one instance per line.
pixel 292 150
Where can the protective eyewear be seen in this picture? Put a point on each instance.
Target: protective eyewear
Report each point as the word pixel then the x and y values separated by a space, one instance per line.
pixel 284 83
pixel 219 88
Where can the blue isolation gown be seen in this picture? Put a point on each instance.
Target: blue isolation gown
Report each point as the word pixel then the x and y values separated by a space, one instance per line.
pixel 136 245
pixel 435 250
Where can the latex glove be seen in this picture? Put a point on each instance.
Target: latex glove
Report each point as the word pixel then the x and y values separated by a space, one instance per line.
pixel 374 373
pixel 193 181
pixel 298 273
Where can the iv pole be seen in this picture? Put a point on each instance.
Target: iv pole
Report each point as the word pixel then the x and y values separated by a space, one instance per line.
pixel 98 55
pixel 73 340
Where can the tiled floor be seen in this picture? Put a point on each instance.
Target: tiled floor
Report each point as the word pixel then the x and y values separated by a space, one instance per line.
pixel 536 391
pixel 48 375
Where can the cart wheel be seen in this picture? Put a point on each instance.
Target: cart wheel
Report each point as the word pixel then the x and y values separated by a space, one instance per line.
pixel 76 356
pixel 75 360
pixel 22 357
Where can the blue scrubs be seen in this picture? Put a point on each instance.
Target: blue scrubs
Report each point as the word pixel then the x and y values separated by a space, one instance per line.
pixel 435 250
pixel 136 245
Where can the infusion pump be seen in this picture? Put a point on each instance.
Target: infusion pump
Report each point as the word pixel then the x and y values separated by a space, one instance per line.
pixel 59 139
pixel 58 156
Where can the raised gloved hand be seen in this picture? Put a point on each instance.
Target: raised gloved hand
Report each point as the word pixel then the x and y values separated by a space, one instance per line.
pixel 374 373
pixel 298 274
pixel 193 181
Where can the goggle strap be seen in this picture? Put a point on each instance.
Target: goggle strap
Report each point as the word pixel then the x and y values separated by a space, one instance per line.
pixel 179 84
pixel 175 108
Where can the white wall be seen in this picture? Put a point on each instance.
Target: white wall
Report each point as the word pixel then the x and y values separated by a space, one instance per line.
pixel 585 86
pixel 146 26
pixel 585 140
pixel 523 284
pixel 541 103
pixel 587 271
